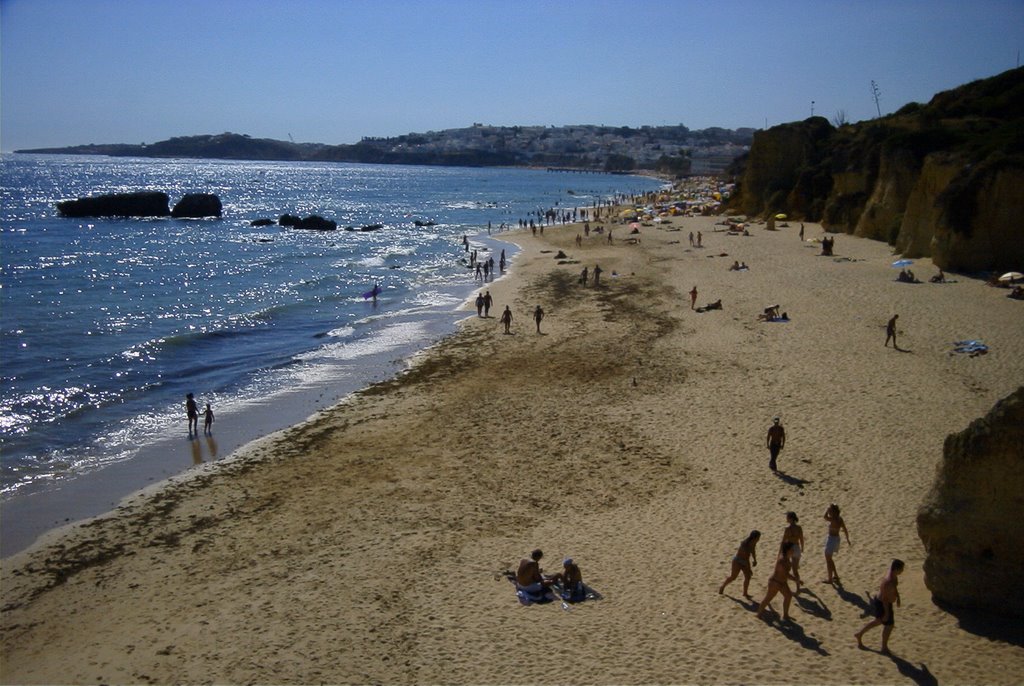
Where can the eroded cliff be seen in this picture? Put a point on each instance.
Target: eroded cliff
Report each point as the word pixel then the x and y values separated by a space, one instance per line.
pixel 943 180
pixel 970 523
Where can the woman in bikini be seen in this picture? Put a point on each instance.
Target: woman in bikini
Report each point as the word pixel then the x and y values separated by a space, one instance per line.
pixel 741 562
pixel 835 525
pixel 779 582
pixel 794 534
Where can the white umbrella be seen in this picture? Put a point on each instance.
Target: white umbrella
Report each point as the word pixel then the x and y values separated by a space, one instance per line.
pixel 1010 277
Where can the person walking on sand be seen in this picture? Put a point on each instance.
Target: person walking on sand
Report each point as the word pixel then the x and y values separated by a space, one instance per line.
pixel 741 562
pixel 480 305
pixel 890 332
pixel 584 276
pixel 488 301
pixel 693 298
pixel 597 275
pixel 208 420
pixel 835 525
pixel 801 232
pixel 776 441
pixel 794 533
pixel 192 412
pixel 882 604
pixel 779 582
pixel 700 239
pixel 538 315
pixel 506 319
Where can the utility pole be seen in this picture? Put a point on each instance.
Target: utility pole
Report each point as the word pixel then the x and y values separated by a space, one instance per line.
pixel 875 93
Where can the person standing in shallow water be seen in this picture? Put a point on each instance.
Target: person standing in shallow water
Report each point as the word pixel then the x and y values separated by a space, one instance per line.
pixel 538 315
pixel 882 604
pixel 192 412
pixel 208 420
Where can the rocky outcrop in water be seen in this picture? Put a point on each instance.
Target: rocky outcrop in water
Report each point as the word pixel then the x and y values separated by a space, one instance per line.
pixel 970 522
pixel 312 223
pixel 197 206
pixel 943 180
pixel 144 204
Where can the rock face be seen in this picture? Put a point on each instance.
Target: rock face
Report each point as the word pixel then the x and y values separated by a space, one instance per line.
pixel 197 205
pixel 313 222
pixel 971 521
pixel 943 180
pixel 145 204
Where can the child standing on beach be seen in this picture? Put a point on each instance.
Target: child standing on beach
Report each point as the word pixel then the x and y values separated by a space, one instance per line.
pixel 208 421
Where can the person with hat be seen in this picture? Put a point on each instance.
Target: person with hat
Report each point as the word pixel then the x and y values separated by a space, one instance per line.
pixel 776 442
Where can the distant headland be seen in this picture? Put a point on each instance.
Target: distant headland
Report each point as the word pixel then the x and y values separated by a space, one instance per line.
pixel 674 150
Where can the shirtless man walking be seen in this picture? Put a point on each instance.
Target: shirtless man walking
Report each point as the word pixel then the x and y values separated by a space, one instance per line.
pixel 890 332
pixel 888 593
pixel 776 441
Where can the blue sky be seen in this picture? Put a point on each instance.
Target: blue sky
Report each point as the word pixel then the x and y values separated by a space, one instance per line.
pixel 132 71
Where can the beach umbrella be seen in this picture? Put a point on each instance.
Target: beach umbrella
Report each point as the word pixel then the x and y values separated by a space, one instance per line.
pixel 900 264
pixel 1010 277
pixel 780 216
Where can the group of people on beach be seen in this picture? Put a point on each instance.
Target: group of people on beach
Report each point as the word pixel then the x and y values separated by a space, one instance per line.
pixel 192 413
pixel 787 567
pixel 531 581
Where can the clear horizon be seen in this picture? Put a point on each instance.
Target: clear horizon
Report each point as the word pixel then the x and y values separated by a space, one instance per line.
pixel 320 71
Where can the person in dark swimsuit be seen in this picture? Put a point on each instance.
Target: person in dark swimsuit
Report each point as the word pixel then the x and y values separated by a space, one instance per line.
pixel 888 595
pixel 192 411
pixel 779 582
pixel 741 562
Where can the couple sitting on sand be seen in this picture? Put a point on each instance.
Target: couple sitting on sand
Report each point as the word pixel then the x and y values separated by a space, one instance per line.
pixel 536 586
pixel 771 314
pixel 907 276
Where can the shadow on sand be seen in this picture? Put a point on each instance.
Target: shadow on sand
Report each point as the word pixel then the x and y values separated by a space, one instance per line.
pixel 795 633
pixel 812 604
pixel 987 624
pixel 860 601
pixel 919 674
pixel 791 480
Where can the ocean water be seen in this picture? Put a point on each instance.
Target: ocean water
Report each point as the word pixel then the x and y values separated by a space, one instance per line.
pixel 106 324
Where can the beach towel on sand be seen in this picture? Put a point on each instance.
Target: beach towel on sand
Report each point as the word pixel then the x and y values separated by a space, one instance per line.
pixel 971 348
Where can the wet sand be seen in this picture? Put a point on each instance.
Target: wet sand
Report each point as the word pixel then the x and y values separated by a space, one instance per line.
pixel 368 544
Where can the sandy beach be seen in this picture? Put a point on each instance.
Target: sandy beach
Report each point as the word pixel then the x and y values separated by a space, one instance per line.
pixel 368 544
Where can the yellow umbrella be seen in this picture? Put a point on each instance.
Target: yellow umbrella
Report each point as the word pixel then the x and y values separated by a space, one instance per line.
pixel 780 216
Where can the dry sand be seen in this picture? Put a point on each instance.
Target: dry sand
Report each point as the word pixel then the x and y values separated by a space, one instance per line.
pixel 367 544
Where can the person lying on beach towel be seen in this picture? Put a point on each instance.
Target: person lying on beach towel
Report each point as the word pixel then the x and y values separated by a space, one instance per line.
pixel 970 348
pixel 717 305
